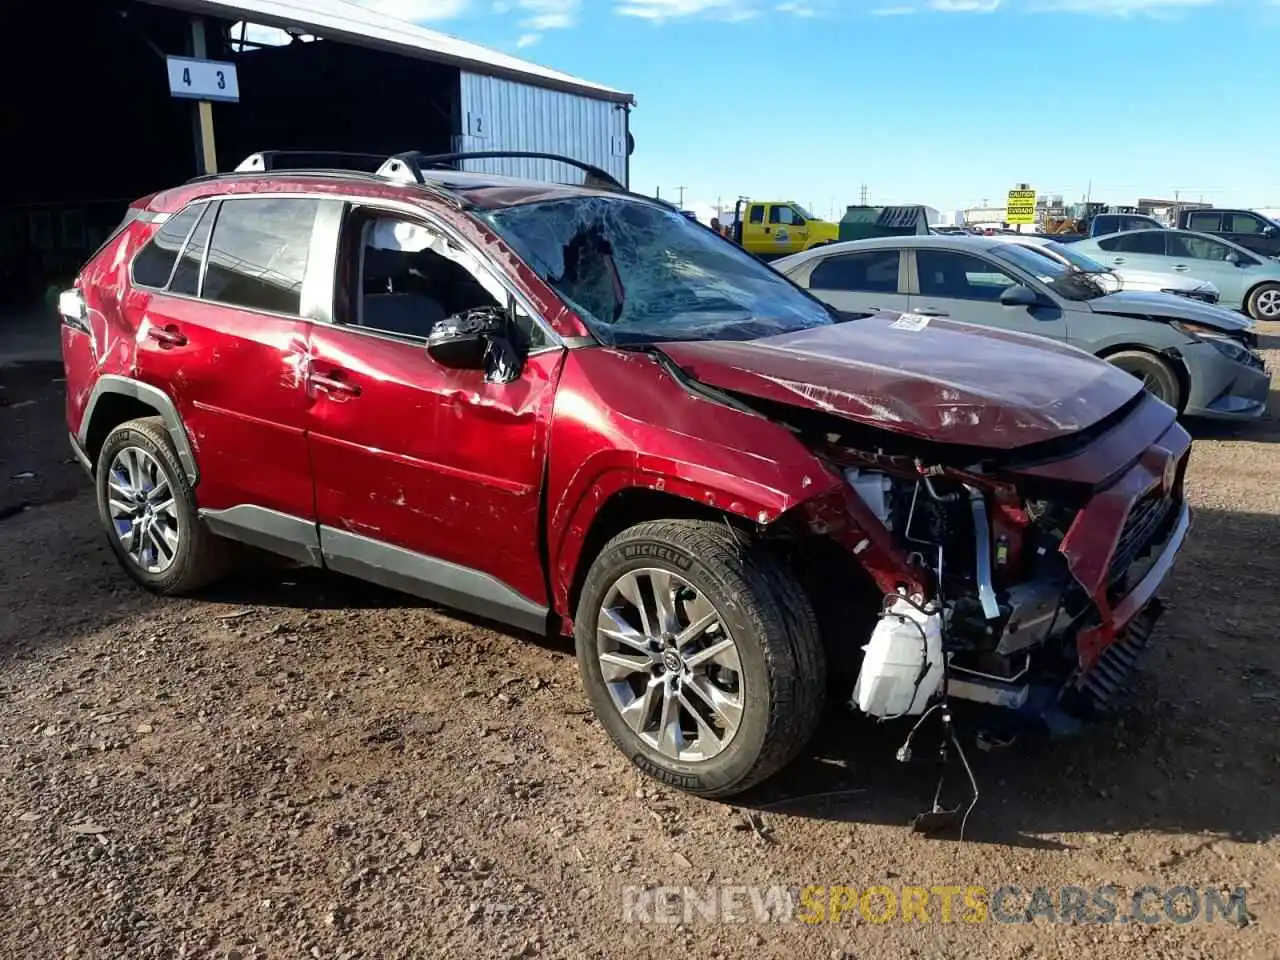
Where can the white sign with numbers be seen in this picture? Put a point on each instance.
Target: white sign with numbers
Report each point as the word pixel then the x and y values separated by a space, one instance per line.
pixel 203 79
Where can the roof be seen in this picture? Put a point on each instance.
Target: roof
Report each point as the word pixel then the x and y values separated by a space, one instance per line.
pixel 347 22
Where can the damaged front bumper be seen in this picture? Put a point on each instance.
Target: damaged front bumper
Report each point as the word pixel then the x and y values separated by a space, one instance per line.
pixel 1120 551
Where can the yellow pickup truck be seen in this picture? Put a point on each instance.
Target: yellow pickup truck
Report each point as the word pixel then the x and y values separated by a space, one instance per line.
pixel 776 228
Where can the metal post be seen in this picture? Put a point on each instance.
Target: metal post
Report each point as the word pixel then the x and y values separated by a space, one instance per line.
pixel 207 158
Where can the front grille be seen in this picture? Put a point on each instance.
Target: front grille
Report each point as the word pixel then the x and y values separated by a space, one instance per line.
pixel 1101 689
pixel 1144 526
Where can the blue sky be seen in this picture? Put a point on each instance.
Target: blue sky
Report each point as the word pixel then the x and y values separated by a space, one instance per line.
pixel 943 102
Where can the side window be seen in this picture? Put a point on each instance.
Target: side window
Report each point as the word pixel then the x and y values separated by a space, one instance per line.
pixel 258 253
pixel 872 272
pixel 1109 243
pixel 783 215
pixel 411 277
pixel 1197 248
pixel 1144 241
pixel 1137 223
pixel 1246 223
pixel 757 214
pixel 186 278
pixel 960 276
pixel 154 263
pixel 1206 220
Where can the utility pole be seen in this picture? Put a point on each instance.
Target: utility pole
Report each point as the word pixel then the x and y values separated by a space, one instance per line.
pixel 657 192
pixel 682 190
pixel 863 195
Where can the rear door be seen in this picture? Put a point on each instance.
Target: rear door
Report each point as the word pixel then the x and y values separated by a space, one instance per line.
pixel 225 335
pixel 966 286
pixel 754 238
pixel 863 282
pixel 1141 249
pixel 428 478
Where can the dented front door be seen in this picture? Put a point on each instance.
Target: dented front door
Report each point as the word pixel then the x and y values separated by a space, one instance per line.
pixel 436 461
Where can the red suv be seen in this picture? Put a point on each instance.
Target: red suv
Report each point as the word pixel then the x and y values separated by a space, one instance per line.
pixel 572 408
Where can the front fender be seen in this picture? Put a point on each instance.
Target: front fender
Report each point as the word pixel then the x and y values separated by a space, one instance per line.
pixel 623 422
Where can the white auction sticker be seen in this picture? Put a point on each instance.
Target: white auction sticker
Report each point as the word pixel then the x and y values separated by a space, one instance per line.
pixel 910 321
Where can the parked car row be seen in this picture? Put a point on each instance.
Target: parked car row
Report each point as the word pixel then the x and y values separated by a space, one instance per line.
pixel 570 408
pixel 1194 356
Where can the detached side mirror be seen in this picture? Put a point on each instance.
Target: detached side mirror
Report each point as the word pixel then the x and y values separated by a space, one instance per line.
pixel 1269 232
pixel 1019 296
pixel 462 340
pixel 1233 257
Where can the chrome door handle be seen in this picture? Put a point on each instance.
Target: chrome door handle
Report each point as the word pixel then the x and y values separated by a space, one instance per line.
pixel 1117 260
pixel 334 383
pixel 169 336
pixel 1181 267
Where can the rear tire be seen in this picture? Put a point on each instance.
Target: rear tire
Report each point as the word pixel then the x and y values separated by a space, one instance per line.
pixel 768 683
pixel 148 510
pixel 1159 379
pixel 1264 302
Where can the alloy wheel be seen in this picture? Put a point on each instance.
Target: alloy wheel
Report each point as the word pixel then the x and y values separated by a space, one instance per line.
pixel 144 515
pixel 1268 304
pixel 670 665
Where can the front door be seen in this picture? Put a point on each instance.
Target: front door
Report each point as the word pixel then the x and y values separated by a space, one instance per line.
pixel 967 287
pixel 1251 231
pixel 786 229
pixel 1207 258
pixel 226 334
pixel 428 478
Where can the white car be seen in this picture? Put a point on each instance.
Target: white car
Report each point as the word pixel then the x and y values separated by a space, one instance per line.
pixel 1113 279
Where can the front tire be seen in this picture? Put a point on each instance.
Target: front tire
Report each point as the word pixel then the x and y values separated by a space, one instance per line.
pixel 700 655
pixel 1158 378
pixel 148 510
pixel 1264 302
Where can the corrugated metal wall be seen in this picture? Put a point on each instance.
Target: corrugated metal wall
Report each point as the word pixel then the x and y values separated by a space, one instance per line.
pixel 506 115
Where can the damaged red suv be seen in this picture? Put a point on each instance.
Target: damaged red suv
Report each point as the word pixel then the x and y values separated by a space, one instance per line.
pixel 570 408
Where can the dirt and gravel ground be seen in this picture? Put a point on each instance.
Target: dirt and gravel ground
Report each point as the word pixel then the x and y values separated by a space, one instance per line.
pixel 302 766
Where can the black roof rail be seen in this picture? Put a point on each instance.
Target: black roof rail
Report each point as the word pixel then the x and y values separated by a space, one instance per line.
pixel 408 167
pixel 265 161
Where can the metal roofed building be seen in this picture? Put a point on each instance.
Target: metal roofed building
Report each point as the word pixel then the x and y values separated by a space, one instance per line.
pixel 504 103
pixel 351 79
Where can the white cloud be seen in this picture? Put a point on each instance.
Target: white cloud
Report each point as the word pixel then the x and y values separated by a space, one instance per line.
pixel 660 10
pixel 418 11
pixel 1110 8
pixel 539 16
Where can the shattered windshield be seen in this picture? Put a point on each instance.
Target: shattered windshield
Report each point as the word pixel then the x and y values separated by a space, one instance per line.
pixel 639 273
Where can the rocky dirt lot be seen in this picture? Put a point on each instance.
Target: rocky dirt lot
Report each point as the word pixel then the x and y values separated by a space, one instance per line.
pixel 301 766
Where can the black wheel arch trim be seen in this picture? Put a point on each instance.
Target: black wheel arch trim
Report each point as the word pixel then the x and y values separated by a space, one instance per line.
pixel 154 397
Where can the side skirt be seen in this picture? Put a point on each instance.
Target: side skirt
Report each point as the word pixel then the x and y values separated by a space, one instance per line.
pixel 431 578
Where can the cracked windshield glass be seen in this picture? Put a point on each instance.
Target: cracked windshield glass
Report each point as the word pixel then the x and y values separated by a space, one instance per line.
pixel 638 273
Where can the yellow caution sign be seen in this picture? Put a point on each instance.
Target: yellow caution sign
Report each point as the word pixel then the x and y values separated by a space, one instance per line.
pixel 1021 207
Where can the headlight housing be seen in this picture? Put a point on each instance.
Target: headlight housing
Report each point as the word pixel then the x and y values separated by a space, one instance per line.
pixel 1226 345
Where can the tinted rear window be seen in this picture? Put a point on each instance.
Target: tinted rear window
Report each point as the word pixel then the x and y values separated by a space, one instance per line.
pixel 154 263
pixel 258 253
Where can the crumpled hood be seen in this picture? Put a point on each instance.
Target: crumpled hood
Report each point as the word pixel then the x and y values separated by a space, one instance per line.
pixel 925 377
pixel 1166 305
